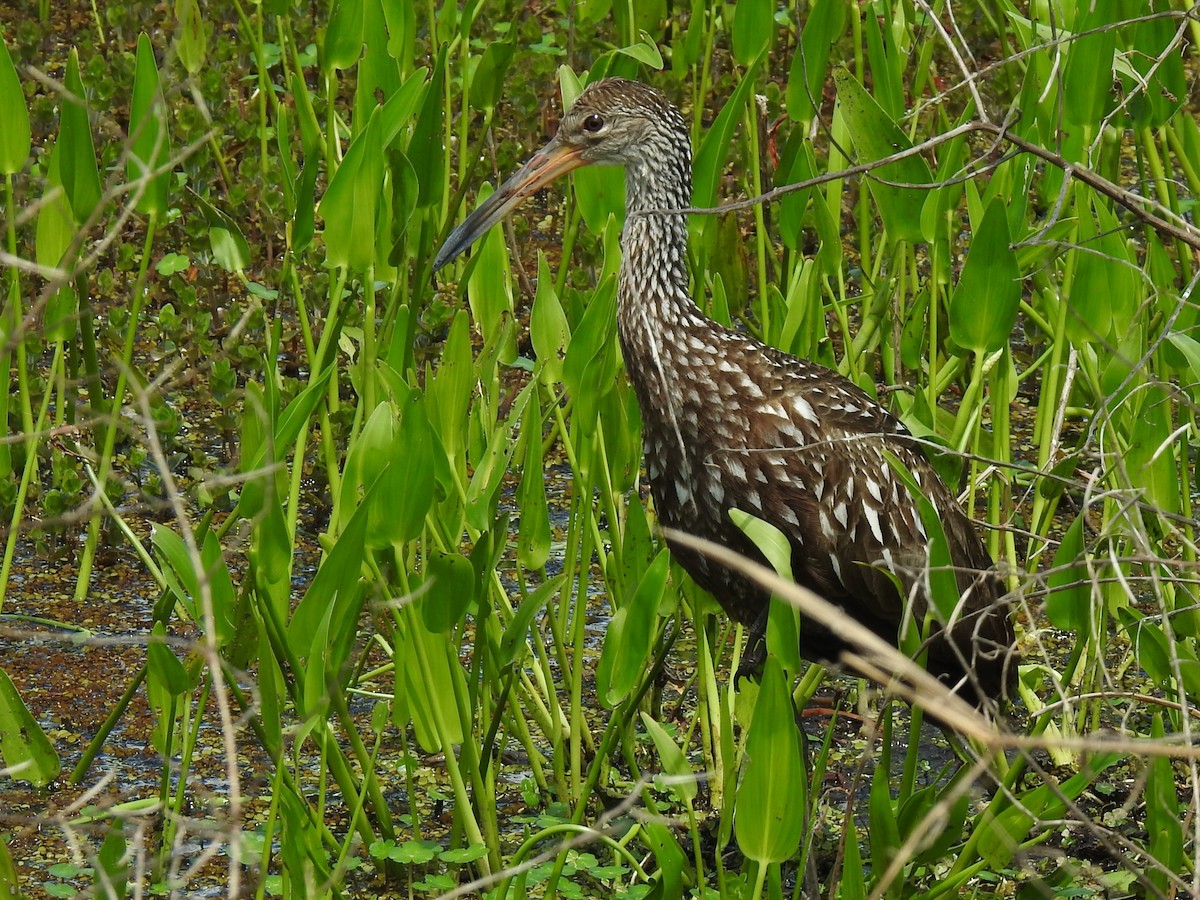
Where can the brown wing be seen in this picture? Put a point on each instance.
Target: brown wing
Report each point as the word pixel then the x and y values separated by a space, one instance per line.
pixel 853 525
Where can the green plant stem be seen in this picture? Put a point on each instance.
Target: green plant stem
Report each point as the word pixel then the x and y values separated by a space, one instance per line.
pixel 532 841
pixel 369 350
pixel 1043 428
pixel 91 361
pixel 999 488
pixel 482 787
pixel 31 442
pixel 124 372
pixel 276 752
pixel 578 632
pixel 189 730
pixel 96 744
pixel 760 878
pixel 461 796
pixel 325 353
pixel 968 410
pixel 760 225
pixel 371 787
pixel 12 327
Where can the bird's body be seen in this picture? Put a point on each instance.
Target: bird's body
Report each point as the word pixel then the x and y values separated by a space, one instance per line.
pixel 730 422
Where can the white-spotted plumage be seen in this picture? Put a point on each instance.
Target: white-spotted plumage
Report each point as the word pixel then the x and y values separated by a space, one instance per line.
pixel 729 422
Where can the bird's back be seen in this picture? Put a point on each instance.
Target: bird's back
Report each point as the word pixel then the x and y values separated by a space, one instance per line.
pixel 731 423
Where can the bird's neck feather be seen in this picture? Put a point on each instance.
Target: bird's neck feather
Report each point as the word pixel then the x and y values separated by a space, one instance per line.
pixel 654 275
pixel 656 317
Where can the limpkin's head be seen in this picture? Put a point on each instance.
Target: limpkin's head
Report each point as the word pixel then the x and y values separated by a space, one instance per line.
pixel 614 122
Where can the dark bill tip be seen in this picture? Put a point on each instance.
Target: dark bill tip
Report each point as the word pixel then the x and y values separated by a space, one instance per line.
pixel 547 164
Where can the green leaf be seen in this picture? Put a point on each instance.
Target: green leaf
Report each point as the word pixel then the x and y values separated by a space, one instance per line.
pixel 401 105
pixel 80 176
pixel 483 491
pixel 1001 834
pixel 1088 75
pixel 305 861
pixel 644 51
pixel 792 206
pixel 687 52
pixel 753 26
pixel 637 549
pixel 426 697
pixel 770 540
pixel 229 246
pixel 914 815
pixel 113 869
pixel 62 314
pixel 943 583
pixel 829 256
pixel 1069 603
pixel 272 689
pixel 150 147
pixel 983 307
pixel 590 367
pixel 180 568
pixel 449 391
pixel 876 136
pixel 414 852
pixel 344 35
pixel 629 641
pixel 336 581
pixel 14 136
pixel 351 201
pixel 191 42
pixel 27 752
pixel 487 81
pixel 938 214
pixel 1189 368
pixel 1150 457
pixel 389 470
pixel 460 855
pixel 10 884
pixel 518 628
pixel 413 465
pixel 404 202
pixel 600 194
pixel 549 330
pixel 489 289
pixel 668 855
pixel 885 61
pixel 55 221
pixel 1164 817
pixel 771 799
pixel 1107 289
pixel 717 141
pixel 854 884
pixel 673 761
pixel 533 537
pixel 257 450
pixel 806 80
pixel 450 586
pixel 426 149
pixel 163 666
pixel 1162 74
pixel 783 619
pixel 172 264
pixel 883 828
pixel 379 75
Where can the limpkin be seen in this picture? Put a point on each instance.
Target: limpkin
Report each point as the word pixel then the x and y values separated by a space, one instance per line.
pixel 729 421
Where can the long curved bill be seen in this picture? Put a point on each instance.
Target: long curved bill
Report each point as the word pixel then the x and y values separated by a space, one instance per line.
pixel 551 161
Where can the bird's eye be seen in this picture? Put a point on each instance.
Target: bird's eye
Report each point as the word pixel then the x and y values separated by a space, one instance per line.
pixel 593 123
